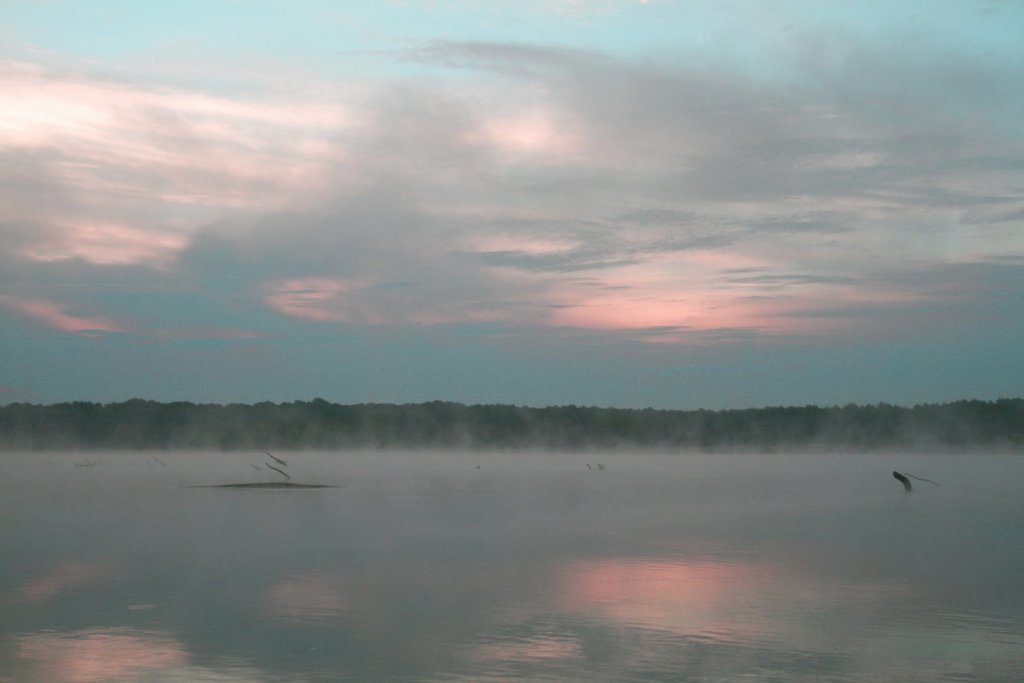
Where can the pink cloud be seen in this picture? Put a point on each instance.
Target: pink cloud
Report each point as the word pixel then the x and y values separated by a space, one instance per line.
pixel 634 311
pixel 170 145
pixel 46 105
pixel 170 159
pixel 532 245
pixel 109 244
pixel 535 133
pixel 56 316
pixel 659 292
pixel 313 298
pixel 693 298
pixel 709 290
pixel 680 290
pixel 324 299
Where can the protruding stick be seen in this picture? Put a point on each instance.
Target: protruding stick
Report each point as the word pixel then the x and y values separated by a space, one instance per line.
pixel 285 473
pixel 903 480
pixel 276 459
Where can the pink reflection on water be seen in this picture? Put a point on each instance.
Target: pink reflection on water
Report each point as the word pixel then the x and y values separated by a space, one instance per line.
pixel 100 655
pixel 685 597
pixel 541 649
pixel 307 598
pixel 65 576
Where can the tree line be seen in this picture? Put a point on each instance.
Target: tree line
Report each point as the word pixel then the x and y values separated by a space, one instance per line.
pixel 319 424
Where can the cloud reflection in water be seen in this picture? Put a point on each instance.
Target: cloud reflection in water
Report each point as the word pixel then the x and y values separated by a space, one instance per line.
pixel 307 599
pixel 119 655
pixel 65 576
pixel 100 654
pixel 532 568
pixel 683 597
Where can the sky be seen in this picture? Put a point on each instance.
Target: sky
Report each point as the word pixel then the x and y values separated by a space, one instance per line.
pixel 662 203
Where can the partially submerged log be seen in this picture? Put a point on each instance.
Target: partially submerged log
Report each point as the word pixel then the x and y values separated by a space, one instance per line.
pixel 266 485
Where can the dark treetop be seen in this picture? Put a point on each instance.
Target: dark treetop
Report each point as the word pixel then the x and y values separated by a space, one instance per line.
pixel 318 424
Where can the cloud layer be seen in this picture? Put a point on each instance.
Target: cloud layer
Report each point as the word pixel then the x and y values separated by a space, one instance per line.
pixel 532 189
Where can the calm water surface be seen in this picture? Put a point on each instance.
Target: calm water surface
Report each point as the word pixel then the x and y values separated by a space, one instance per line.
pixel 465 567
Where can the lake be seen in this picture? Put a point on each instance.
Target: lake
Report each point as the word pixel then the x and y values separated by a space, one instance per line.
pixel 426 566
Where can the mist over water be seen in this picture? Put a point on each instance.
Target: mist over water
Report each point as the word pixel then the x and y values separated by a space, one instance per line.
pixel 512 566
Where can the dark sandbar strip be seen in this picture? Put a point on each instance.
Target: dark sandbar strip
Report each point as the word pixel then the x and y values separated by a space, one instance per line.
pixel 266 485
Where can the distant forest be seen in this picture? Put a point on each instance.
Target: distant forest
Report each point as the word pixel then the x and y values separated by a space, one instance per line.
pixel 318 424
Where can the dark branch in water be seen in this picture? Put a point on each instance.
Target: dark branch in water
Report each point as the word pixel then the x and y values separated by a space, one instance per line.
pixel 279 461
pixel 267 485
pixel 903 480
pixel 288 476
pixel 935 483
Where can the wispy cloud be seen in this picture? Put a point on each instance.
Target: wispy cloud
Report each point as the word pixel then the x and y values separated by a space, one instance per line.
pixel 853 184
pixel 61 317
pixel 134 167
pixel 690 201
pixel 107 244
